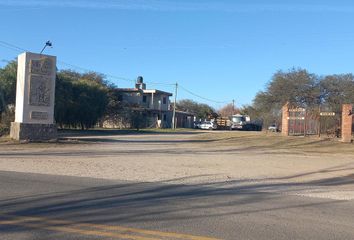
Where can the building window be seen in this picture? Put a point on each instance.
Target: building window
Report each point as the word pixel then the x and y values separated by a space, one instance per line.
pixel 144 99
pixel 164 100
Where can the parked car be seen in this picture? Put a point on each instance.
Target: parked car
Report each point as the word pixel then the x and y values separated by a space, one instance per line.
pixel 208 125
pixel 273 128
pixel 197 125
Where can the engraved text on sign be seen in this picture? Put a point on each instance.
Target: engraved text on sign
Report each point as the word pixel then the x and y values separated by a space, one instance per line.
pixel 39 90
pixel 42 67
pixel 40 82
pixel 39 115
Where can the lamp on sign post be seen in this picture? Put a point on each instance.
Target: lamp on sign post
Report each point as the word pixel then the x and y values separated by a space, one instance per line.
pixel 47 44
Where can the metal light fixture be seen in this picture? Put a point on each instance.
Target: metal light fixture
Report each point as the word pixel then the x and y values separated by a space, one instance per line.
pixel 47 44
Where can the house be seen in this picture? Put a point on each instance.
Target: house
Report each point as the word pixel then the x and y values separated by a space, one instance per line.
pixel 151 105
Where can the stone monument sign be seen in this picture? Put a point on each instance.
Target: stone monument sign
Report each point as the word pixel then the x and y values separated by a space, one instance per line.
pixel 34 117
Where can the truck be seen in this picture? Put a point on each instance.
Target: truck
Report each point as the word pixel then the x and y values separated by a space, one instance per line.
pixel 238 122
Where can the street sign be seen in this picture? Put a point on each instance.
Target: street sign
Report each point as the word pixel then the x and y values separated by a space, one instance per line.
pixel 297 110
pixel 296 118
pixel 327 114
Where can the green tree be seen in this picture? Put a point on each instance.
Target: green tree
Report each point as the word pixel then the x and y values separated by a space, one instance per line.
pixel 8 76
pixel 80 99
pixel 337 90
pixel 201 110
pixel 297 87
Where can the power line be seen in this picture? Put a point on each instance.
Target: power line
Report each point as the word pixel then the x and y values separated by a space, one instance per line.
pixel 201 97
pixel 13 46
pixel 90 70
pixel 20 49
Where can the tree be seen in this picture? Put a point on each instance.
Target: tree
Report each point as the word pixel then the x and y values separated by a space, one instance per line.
pixel 64 98
pixel 228 110
pixel 201 110
pixel 337 90
pixel 250 111
pixel 8 78
pixel 80 100
pixel 121 113
pixel 297 87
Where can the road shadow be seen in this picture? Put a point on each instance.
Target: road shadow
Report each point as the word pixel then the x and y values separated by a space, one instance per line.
pixel 142 203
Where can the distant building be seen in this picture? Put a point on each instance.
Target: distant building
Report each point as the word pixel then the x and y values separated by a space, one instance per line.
pixel 152 104
pixel 185 119
pixel 152 108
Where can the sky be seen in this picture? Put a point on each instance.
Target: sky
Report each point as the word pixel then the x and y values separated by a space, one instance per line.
pixel 216 50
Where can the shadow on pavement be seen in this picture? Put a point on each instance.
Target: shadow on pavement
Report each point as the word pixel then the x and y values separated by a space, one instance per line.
pixel 130 202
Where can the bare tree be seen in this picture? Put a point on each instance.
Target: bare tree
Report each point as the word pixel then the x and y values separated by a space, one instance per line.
pixel 228 110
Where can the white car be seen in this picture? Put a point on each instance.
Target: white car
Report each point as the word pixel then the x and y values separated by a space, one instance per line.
pixel 197 125
pixel 273 128
pixel 208 125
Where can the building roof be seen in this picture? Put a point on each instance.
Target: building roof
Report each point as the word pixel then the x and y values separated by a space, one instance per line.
pixel 185 113
pixel 155 91
pixel 128 90
pixel 147 91
pixel 140 86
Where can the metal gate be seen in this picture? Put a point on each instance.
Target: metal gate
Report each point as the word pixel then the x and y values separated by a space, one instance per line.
pixel 302 122
pixel 330 124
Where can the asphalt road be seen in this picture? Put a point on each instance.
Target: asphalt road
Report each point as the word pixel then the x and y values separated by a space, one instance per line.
pixel 37 206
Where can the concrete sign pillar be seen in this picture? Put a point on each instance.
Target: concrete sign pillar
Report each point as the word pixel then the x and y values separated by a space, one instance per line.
pixel 34 116
pixel 285 120
pixel 347 121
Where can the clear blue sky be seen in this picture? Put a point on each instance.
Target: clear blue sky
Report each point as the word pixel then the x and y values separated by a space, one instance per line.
pixel 218 49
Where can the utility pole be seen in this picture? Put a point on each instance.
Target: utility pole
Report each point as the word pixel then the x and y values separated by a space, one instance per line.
pixel 174 124
pixel 319 112
pixel 233 106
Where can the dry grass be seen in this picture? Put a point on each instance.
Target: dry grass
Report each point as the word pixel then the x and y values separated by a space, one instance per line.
pixel 4 139
pixel 273 141
pixel 248 141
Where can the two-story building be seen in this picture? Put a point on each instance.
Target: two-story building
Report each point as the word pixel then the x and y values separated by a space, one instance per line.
pixel 153 104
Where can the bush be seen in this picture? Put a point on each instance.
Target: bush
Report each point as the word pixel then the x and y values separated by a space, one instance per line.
pixel 5 121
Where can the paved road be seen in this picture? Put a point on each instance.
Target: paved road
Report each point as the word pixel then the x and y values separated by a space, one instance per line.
pixel 37 206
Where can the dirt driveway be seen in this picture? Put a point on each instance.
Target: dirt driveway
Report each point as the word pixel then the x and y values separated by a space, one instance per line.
pixel 301 166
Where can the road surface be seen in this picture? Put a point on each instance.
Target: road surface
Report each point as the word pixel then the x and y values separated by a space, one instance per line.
pixel 40 206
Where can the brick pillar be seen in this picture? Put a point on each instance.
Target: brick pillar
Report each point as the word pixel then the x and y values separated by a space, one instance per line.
pixel 285 120
pixel 347 121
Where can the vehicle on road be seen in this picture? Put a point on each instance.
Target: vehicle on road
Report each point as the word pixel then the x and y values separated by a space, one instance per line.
pixel 208 125
pixel 197 125
pixel 238 122
pixel 273 128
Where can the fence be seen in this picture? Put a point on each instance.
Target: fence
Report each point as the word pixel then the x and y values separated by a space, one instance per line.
pixel 303 122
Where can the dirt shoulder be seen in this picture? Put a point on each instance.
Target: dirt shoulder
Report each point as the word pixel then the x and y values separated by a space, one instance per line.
pixel 274 141
pixel 186 157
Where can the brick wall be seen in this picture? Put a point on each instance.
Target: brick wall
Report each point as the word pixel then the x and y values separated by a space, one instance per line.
pixel 285 120
pixel 347 121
